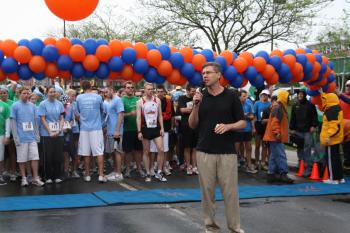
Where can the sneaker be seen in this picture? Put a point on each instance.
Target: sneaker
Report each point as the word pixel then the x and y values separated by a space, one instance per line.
pixel 189 171
pixel 38 182
pixel 127 173
pixel 160 177
pixel 285 179
pixel 264 167
pixel 115 178
pixel 102 179
pixel 110 175
pixel 87 178
pixel 167 171
pixel 148 178
pixel 182 167
pixel 152 172
pixel 2 181
pixel 195 170
pixel 142 173
pixel 13 177
pixel 48 181
pixel 251 169
pixel 330 181
pixel 57 181
pixel 75 174
pixel 24 182
pixel 29 179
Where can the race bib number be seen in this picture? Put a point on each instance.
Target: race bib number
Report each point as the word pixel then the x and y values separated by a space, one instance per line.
pixel 54 126
pixel 151 123
pixel 27 126
pixel 189 104
pixel 66 125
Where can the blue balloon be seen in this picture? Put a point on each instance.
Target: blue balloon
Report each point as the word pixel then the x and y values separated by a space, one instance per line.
pixel 316 81
pixel 90 46
pixel 276 62
pixel 24 72
pixel 160 79
pixel 312 93
pixel 230 73
pixel 115 64
pixel 301 58
pixel 24 42
pixel 330 78
pixel 177 60
pixel 102 71
pixel 308 68
pixel 234 55
pixel 331 65
pixel 323 68
pixel 151 76
pixel 64 62
pixel 36 46
pixel 50 53
pixel 237 81
pixel 251 73
pixel 318 58
pixel 284 70
pixel 187 70
pixel 259 81
pixel 290 51
pixel 208 54
pixel 325 87
pixel 195 51
pixel 165 51
pixel 39 76
pixel 89 74
pixel 264 55
pixel 75 41
pixel 1 56
pixel 141 66
pixel 78 70
pixel 286 78
pixel 150 46
pixel 222 61
pixel 307 50
pixel 196 79
pixel 307 76
pixel 129 55
pixel 9 65
pixel 101 41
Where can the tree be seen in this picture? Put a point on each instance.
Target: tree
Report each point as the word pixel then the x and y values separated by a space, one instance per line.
pixel 232 24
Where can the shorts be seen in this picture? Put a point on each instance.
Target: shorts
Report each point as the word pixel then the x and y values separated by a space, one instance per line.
pixel 243 136
pixel 112 145
pixel 131 142
pixel 91 142
pixel 189 137
pixel 260 128
pixel 150 133
pixel 2 148
pixel 153 147
pixel 27 152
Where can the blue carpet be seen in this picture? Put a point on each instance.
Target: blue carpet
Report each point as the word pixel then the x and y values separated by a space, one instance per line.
pixel 49 202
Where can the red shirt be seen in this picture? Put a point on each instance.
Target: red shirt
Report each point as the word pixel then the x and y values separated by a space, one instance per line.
pixel 345 107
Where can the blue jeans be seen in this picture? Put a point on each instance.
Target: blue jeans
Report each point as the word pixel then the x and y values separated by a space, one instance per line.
pixel 278 159
pixel 305 153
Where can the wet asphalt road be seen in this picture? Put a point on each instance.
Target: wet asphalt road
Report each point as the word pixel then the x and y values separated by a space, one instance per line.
pixel 320 214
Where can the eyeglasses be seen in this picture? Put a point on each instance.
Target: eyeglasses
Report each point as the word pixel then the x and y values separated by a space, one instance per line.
pixel 129 87
pixel 208 72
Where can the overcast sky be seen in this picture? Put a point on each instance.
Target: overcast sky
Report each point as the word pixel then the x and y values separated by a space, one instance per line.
pixel 31 18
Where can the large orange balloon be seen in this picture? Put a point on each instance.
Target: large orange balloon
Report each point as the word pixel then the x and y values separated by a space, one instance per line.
pixel 276 52
pixel 331 88
pixel 50 41
pixel 51 70
pixel 310 57
pixel 165 68
pixel 198 61
pixel 63 46
pixel 240 64
pixel 37 64
pixel 77 53
pixel 13 76
pixel 223 82
pixel 141 50
pixel 187 53
pixel 22 54
pixel 2 75
pixel 136 77
pixel 173 49
pixel 126 44
pixel 64 74
pixel 325 60
pixel 114 75
pixel 8 47
pixel 228 55
pixel 273 79
pixel 72 10
pixel 247 56
pixel 103 53
pixel 268 72
pixel 174 77
pixel 154 57
pixel 116 47
pixel 259 63
pixel 290 60
pixel 300 51
pixel 127 72
pixel 91 63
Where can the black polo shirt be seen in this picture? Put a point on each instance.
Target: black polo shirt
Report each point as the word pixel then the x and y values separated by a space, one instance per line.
pixel 224 108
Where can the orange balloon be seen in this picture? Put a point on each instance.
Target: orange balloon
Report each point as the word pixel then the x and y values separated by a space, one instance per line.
pixel 248 57
pixel 273 79
pixel 127 72
pixel 116 47
pixel 91 63
pixel 154 57
pixel 165 68
pixel 173 49
pixel 141 50
pixel 300 51
pixel 63 46
pixel 331 87
pixel 228 55
pixel 22 54
pixel 103 53
pixel 290 60
pixel 297 72
pixel 50 41
pixel 181 82
pixel 198 61
pixel 136 77
pixel 174 77
pixel 317 68
pixel 114 75
pixel 276 52
pixel 37 64
pixel 126 44
pixel 13 76
pixel 310 57
pixel 223 82
pixel 268 72
pixel 240 64
pixel 187 53
pixel 64 74
pixel 245 81
pixel 77 53
pixel 314 87
pixel 259 63
pixel 315 51
pixel 316 100
pixel 325 60
pixel 323 81
pixel 72 10
pixel 51 70
pixel 8 47
pixel 2 75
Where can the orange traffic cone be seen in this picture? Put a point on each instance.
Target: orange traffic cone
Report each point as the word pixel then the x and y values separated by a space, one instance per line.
pixel 314 172
pixel 325 174
pixel 301 168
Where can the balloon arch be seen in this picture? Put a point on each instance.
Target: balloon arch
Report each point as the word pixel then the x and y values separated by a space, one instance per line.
pixel 73 58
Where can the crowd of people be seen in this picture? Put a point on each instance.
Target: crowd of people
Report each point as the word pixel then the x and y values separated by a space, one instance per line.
pixel 53 134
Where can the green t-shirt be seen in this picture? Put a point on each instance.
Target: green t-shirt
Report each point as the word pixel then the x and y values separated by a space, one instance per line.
pixel 9 102
pixel 11 94
pixel 129 106
pixel 4 115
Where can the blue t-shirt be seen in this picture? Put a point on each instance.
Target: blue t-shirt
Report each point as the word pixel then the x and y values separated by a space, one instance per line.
pixel 73 110
pixel 90 108
pixel 25 116
pixel 52 110
pixel 247 109
pixel 259 107
pixel 113 109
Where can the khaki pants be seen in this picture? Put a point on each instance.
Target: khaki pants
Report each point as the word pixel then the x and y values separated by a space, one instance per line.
pixel 221 168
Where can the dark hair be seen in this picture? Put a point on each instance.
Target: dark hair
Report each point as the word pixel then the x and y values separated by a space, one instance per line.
pixel 49 87
pixel 242 91
pixel 20 90
pixel 86 85
pixel 128 83
pixel 189 86
pixel 274 98
pixel 161 86
pixel 215 65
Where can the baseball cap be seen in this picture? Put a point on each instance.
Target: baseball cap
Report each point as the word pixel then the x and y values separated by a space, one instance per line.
pixel 266 92
pixel 347 83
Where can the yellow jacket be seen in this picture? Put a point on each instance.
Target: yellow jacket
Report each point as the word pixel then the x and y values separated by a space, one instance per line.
pixel 332 126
